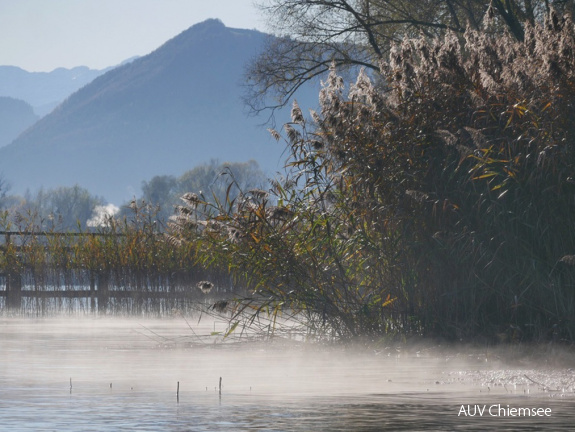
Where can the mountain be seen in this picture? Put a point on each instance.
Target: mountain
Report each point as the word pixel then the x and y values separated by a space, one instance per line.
pixel 15 116
pixel 160 114
pixel 44 90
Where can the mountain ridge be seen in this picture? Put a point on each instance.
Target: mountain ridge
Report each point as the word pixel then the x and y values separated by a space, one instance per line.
pixel 163 113
pixel 16 116
pixel 44 90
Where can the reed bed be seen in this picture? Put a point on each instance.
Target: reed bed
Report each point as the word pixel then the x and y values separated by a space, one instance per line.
pixel 125 268
pixel 435 199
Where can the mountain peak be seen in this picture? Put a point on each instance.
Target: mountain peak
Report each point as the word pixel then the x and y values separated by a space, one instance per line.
pixel 200 33
pixel 209 27
pixel 210 23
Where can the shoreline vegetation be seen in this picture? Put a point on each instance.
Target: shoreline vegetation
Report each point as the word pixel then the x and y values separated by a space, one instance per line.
pixel 433 199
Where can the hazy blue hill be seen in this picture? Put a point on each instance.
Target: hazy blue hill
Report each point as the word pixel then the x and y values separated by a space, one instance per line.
pixel 15 116
pixel 44 90
pixel 160 114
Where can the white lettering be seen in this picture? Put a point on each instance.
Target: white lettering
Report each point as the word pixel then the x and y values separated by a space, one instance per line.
pixel 526 412
pixel 497 410
pixel 467 412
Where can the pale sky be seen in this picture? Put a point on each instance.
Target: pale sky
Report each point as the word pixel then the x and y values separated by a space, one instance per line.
pixel 41 35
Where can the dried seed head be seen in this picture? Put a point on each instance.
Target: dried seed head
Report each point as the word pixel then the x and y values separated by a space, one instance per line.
pixel 183 210
pixel 205 286
pixel 182 221
pixel 316 144
pixel 174 241
pixel 234 235
pixel 220 306
pixel 315 116
pixel 446 137
pixel 258 193
pixel 417 195
pixel 279 213
pixel 214 225
pixel 190 198
pixel 568 259
pixel 293 135
pixel 275 134
pixel 296 114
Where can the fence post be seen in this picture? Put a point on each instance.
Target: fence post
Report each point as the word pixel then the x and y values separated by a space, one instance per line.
pixel 13 284
pixel 102 293
pixel 92 292
pixel 13 290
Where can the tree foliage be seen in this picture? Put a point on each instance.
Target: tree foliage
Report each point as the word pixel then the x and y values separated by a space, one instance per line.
pixel 63 208
pixel 210 180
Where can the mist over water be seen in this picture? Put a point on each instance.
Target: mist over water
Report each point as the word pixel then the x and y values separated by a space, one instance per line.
pixel 100 374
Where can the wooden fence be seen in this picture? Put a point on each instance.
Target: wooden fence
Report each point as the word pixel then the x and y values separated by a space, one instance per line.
pixel 96 290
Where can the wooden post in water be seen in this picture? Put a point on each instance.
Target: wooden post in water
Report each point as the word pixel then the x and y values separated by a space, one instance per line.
pixel 13 290
pixel 92 292
pixel 13 285
pixel 102 293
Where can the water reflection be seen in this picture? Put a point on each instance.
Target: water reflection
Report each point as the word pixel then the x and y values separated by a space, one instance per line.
pixel 42 409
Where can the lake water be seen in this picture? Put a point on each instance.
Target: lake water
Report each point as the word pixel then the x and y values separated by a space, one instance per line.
pixel 101 374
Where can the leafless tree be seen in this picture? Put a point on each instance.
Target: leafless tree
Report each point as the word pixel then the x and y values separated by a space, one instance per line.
pixel 310 35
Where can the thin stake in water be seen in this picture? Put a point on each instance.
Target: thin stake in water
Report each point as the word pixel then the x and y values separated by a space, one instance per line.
pixel 178 393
